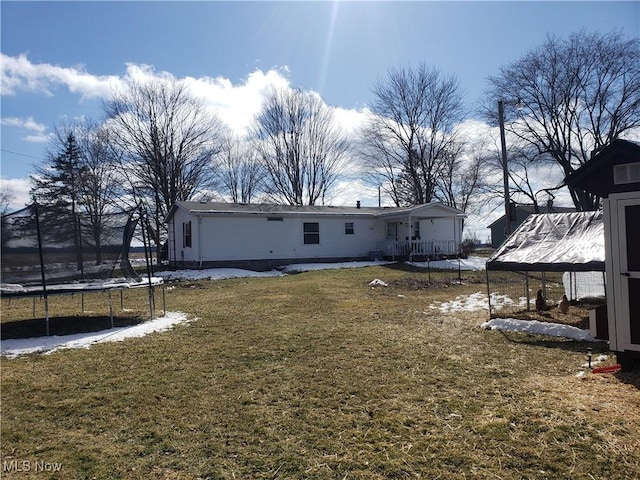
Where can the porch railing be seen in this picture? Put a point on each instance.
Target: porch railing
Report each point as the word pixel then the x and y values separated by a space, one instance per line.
pixel 418 248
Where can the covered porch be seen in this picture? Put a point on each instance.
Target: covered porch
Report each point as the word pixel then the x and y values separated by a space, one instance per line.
pixel 432 249
pixel 433 230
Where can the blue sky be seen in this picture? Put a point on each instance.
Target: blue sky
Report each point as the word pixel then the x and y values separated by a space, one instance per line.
pixel 60 58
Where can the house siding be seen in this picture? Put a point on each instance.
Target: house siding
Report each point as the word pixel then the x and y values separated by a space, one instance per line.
pixel 266 236
pixel 246 238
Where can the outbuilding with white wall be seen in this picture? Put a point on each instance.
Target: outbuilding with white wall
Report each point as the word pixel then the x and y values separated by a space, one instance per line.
pixel 613 173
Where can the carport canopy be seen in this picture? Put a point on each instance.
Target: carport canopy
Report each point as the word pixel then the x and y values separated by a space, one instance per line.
pixel 554 242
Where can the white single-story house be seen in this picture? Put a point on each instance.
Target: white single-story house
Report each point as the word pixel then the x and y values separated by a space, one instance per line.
pixel 263 236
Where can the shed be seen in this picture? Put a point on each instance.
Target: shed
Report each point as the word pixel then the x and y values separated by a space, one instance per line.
pixel 613 173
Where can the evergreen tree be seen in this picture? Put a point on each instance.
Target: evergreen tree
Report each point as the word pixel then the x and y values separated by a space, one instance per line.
pixel 56 188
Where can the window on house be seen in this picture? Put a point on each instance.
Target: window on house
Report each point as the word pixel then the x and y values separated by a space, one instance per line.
pixel 626 173
pixel 392 230
pixel 348 228
pixel 416 230
pixel 311 233
pixel 186 234
pixel 275 219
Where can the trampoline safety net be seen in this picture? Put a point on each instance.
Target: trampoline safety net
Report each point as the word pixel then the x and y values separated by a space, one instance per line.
pixel 43 245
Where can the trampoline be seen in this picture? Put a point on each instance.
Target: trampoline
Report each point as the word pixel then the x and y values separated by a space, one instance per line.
pixel 47 250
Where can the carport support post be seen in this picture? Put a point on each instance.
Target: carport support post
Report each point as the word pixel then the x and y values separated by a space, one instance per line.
pixel 526 287
pixel 164 301
pixel 488 291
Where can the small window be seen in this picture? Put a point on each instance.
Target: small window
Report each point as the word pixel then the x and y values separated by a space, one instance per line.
pixel 626 173
pixel 275 219
pixel 311 233
pixel 392 230
pixel 186 234
pixel 348 228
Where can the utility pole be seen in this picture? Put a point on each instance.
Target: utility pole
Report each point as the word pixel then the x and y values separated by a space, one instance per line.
pixel 505 172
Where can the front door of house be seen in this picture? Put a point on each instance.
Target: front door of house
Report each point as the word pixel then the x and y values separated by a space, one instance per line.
pixel 628 279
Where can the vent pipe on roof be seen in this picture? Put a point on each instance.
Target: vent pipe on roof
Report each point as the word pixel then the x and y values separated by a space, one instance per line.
pixel 358 204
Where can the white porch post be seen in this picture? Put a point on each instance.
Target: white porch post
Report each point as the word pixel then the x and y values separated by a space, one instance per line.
pixel 455 234
pixel 409 237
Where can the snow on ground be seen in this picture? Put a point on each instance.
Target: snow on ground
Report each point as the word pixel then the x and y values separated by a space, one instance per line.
pixel 477 302
pixel 307 267
pixel 471 263
pixel 214 274
pixel 12 348
pixel 540 328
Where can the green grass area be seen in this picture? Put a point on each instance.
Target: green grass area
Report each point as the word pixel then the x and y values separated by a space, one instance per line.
pixel 319 376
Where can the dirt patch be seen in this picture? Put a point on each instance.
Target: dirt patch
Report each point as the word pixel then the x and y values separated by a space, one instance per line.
pixel 425 284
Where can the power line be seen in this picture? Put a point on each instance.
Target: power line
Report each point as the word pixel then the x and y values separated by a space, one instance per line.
pixel 21 154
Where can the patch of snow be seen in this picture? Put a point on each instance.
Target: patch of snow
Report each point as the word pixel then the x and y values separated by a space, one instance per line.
pixel 471 263
pixel 215 274
pixel 12 348
pixel 306 267
pixel 539 328
pixel 595 361
pixel 477 302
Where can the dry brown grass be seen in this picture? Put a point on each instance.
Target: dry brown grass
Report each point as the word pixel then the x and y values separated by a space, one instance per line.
pixel 317 375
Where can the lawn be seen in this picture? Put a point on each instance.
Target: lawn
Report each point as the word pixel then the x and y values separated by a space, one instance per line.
pixel 317 375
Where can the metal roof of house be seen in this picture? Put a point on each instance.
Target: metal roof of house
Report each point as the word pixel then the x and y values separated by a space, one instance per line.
pixel 220 208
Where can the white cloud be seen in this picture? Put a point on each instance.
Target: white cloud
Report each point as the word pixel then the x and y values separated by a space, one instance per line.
pixel 237 105
pixel 19 189
pixel 37 131
pixel 19 74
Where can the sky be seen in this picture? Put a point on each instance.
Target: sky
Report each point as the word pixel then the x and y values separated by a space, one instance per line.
pixel 61 60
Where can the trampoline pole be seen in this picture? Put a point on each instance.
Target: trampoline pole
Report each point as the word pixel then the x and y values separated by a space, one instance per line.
pixel 110 309
pixel 41 255
pixel 146 257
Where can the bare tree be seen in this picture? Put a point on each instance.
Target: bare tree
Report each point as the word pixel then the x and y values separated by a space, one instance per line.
pixel 238 171
pixel 168 140
pixel 412 132
pixel 100 180
pixel 6 198
pixel 78 183
pixel 301 147
pixel 461 181
pixel 576 95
